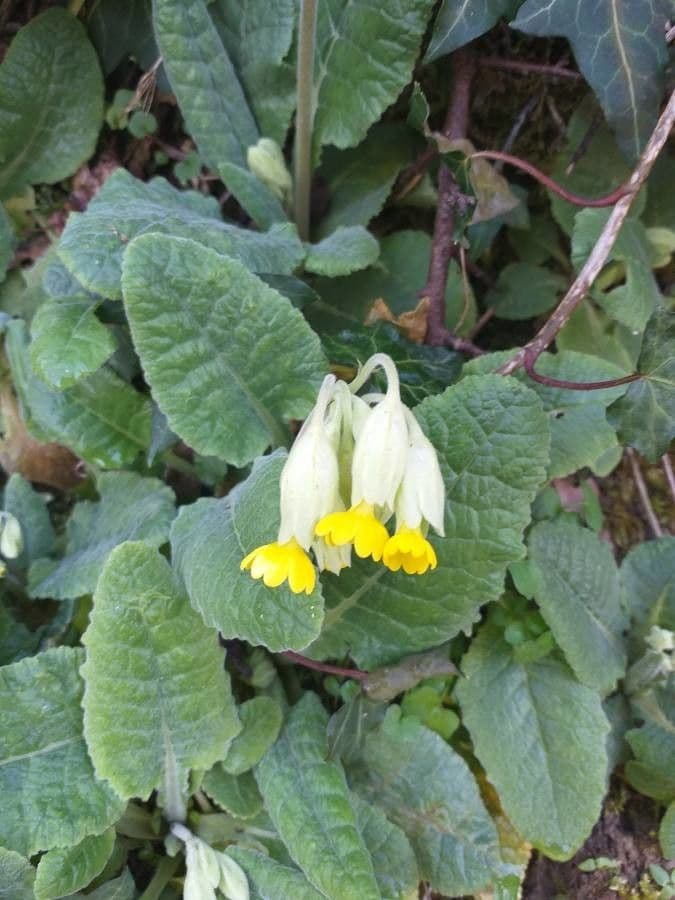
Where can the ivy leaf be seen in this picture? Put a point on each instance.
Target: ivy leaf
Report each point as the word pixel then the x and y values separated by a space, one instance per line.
pixel 523 291
pixel 492 440
pixel 238 795
pixel 393 857
pixel 16 876
pixel 204 81
pixel 652 772
pixel 305 795
pixel 261 719
pixel 61 872
pixel 208 541
pixel 101 418
pixel 269 880
pixel 68 341
pixel 30 509
pixel 460 21
pixel 578 593
pixel 206 329
pixel 428 791
pixel 620 50
pixel 648 584
pixel 364 59
pixel 119 30
pixel 645 416
pixel 346 250
pixel 51 102
pixel 42 734
pixel 130 508
pixel 93 242
pixel 551 785
pixel 169 708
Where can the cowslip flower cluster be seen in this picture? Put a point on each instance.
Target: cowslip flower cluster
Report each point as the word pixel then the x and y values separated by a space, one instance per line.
pixel 356 462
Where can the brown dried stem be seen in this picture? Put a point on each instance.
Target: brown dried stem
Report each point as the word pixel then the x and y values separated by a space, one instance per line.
pixel 643 493
pixel 300 660
pixel 525 68
pixel 670 475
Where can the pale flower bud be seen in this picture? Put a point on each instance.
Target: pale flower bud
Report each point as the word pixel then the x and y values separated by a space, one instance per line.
pixel 11 539
pixel 380 454
pixel 267 163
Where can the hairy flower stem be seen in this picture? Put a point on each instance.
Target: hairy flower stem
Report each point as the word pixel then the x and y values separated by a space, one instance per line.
pixel 304 117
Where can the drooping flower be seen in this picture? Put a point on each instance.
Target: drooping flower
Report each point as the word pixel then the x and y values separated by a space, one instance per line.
pixel 209 870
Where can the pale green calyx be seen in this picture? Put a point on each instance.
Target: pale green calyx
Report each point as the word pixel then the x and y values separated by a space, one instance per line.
pixel 11 538
pixel 209 870
pixel 267 163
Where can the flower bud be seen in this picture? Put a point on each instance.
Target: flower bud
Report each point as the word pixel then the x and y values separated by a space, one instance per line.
pixel 11 539
pixel 267 163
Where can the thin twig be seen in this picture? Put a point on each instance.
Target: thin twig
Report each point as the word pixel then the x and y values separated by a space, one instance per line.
pixel 463 63
pixel 525 68
pixel 529 364
pixel 356 674
pixel 482 322
pixel 654 523
pixel 542 178
pixel 304 117
pixel 517 127
pixel 600 251
pixel 670 475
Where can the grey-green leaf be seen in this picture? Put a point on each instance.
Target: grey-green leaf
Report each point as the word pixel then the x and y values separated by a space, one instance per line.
pixel 269 880
pixel 121 888
pixel 16 876
pixel 393 857
pixel 492 439
pixel 652 772
pixel 63 871
pixel 428 791
pixel 261 719
pixel 93 242
pixel 579 596
pixel 6 242
pixel 41 735
pixel 346 250
pixel 68 341
pixel 308 800
pixel 168 709
pixel 51 102
pixel 229 360
pixel 236 794
pixel 460 21
pixel 365 55
pixel 620 50
pixel 210 538
pixel 540 736
pixel 205 82
pixel 130 508
pixel 648 584
pixel 30 509
pixel 524 290
pixel 666 833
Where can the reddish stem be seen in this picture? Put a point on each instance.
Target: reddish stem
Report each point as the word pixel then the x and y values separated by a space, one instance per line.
pixel 525 68
pixel 529 363
pixel 357 674
pixel 542 178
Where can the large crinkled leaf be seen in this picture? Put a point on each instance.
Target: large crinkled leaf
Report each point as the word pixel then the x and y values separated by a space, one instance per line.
pixel 460 21
pixel 261 719
pixel 648 584
pixel 130 508
pixel 307 798
pixel 41 736
pixel 16 876
pixel 93 242
pixel 540 735
pixel 51 102
pixel 346 250
pixel 652 772
pixel 63 871
pixel 210 538
pixel 269 880
pixel 238 795
pixel 100 418
pixel 578 592
pixel 619 47
pixel 428 790
pixel 205 82
pixel 492 438
pixel 645 416
pixel 30 509
pixel 68 341
pixel 229 360
pixel 393 857
pixel 359 180
pixel 257 36
pixel 365 55
pixel 168 708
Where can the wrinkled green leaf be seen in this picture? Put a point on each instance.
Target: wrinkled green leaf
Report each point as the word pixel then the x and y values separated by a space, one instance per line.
pixel 208 541
pixel 93 242
pixel 393 857
pixel 460 21
pixel 540 736
pixel 51 102
pixel 121 888
pixel 130 508
pixel 269 880
pixel 16 876
pixel 578 594
pixel 101 418
pixel 169 708
pixel 206 329
pixel 30 509
pixel 42 734
pixel 346 250
pixel 428 791
pixel 523 291
pixel 308 800
pixel 236 794
pixel 492 440
pixel 648 584
pixel 61 872
pixel 364 59
pixel 620 50
pixel 68 341
pixel 652 772
pixel 261 719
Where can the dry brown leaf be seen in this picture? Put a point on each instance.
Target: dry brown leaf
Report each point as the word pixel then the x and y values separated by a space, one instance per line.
pixel 412 323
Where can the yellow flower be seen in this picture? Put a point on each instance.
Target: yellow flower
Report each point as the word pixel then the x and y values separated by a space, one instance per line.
pixel 357 525
pixel 410 550
pixel 275 563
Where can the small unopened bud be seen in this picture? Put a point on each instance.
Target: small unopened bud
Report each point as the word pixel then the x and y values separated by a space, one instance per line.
pixel 267 163
pixel 11 539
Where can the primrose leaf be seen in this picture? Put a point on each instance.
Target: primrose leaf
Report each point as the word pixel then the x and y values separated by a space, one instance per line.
pixel 238 795
pixel 16 876
pixel 648 584
pixel 61 872
pixel 346 250
pixel 652 772
pixel 269 880
pixel 393 857
pixel 30 509
pixel 261 719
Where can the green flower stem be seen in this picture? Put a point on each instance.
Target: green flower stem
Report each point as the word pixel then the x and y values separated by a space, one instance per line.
pixel 304 116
